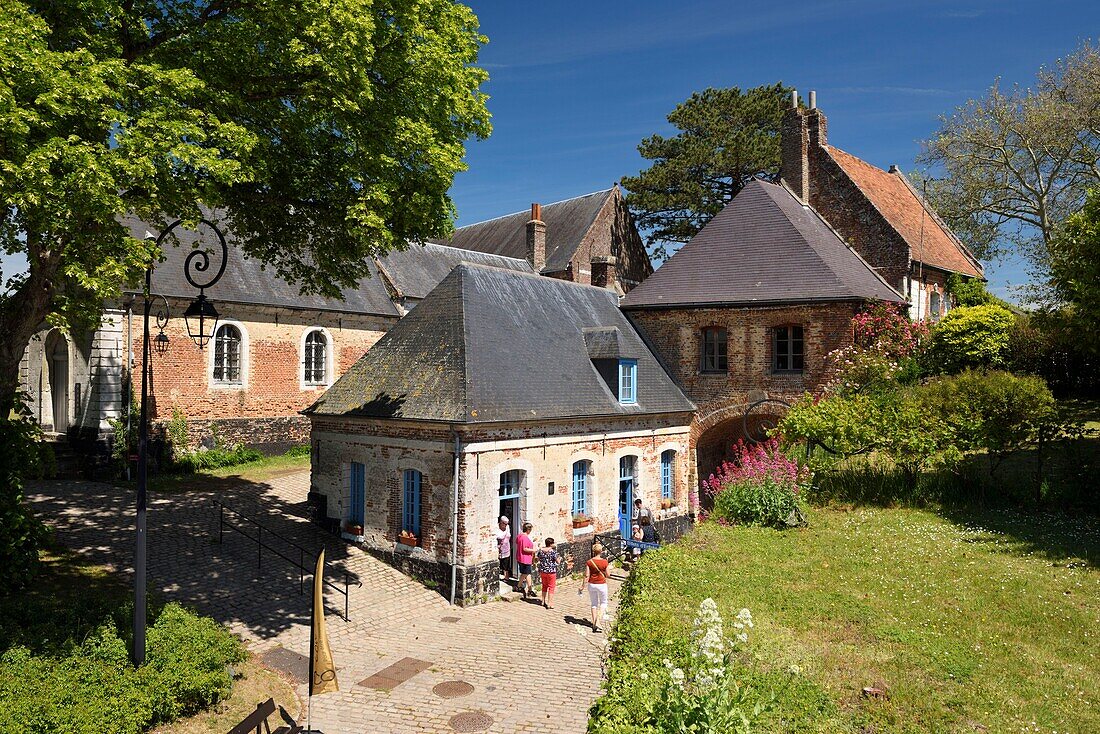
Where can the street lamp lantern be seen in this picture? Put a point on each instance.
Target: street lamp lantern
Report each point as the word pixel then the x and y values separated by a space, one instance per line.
pixel 160 343
pixel 202 320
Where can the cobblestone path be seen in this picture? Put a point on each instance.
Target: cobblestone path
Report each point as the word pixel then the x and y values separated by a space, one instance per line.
pixel 531 669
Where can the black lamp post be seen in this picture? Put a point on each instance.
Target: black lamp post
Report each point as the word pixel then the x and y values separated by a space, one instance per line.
pixel 202 319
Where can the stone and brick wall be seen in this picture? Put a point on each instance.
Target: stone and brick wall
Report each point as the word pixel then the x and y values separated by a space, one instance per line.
pixel 612 235
pixel 263 409
pixel 544 452
pixel 676 335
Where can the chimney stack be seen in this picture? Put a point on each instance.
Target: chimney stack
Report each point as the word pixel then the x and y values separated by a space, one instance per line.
pixel 813 99
pixel 816 123
pixel 536 239
pixel 794 149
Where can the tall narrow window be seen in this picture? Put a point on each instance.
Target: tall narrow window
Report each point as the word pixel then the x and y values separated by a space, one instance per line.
pixel 667 458
pixel 227 354
pixel 510 482
pixel 714 350
pixel 787 349
pixel 357 494
pixel 580 487
pixel 410 506
pixel 315 359
pixel 628 381
pixel 934 301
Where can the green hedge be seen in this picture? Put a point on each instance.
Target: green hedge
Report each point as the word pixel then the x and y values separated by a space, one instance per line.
pixel 95 690
pixel 196 461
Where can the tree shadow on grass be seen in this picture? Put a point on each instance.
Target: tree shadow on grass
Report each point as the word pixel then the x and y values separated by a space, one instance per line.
pixel 1060 537
pixel 231 581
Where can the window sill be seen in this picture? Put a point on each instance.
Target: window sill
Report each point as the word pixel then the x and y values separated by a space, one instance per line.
pixel 228 386
pixel 788 373
pixel 586 530
pixel 703 373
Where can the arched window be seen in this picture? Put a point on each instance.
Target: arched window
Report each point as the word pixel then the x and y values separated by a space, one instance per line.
pixel 934 305
pixel 581 470
pixel 227 354
pixel 667 459
pixel 410 505
pixel 315 358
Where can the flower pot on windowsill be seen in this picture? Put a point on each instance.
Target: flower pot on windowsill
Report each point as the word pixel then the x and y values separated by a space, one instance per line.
pixel 353 529
pixel 580 521
pixel 407 538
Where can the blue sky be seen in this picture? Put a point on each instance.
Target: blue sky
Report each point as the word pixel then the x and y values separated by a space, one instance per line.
pixel 575 86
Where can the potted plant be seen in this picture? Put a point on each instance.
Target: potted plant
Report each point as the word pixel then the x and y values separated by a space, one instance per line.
pixel 407 538
pixel 352 528
pixel 665 504
pixel 580 520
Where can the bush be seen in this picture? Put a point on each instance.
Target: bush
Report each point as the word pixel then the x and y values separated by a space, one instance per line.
pixel 760 487
pixel 216 458
pixel 95 690
pixel 975 336
pixel 995 411
pixel 179 439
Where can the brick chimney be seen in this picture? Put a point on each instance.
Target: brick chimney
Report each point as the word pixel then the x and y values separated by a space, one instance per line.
pixel 605 274
pixel 802 130
pixel 536 239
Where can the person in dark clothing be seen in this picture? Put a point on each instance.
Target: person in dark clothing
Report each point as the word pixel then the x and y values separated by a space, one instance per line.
pixel 649 533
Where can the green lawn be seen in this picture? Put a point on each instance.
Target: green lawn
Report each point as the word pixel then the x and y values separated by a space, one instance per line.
pixel 261 470
pixel 977 622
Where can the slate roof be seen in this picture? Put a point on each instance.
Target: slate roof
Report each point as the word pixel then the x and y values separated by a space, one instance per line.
pixel 567 222
pixel 764 247
pixel 416 270
pixel 490 344
pixel 930 240
pixel 245 281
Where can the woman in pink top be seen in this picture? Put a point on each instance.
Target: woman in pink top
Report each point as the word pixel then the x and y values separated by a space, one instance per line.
pixel 525 556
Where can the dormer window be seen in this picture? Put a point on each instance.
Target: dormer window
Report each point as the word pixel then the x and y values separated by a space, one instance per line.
pixel 628 381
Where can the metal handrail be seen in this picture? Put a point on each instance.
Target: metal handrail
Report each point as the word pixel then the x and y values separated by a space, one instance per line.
pixel 300 564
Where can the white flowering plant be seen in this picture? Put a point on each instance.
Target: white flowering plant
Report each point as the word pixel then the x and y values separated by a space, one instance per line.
pixel 704 695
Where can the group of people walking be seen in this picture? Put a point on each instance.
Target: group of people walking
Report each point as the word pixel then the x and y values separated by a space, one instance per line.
pixel 529 556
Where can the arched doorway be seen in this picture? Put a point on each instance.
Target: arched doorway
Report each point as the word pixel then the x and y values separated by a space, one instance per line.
pixel 56 355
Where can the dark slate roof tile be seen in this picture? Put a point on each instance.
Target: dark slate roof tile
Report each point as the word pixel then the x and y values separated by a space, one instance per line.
pixel 567 222
pixel 497 345
pixel 417 269
pixel 765 247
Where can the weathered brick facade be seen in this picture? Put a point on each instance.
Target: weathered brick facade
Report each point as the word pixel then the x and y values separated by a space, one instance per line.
pixel 722 398
pixel 544 453
pixel 262 410
pixel 612 235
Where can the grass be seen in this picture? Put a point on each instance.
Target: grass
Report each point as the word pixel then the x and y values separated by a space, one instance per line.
pixel 255 685
pixel 261 470
pixel 978 622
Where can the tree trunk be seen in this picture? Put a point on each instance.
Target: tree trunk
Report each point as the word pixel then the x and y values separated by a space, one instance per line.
pixel 21 313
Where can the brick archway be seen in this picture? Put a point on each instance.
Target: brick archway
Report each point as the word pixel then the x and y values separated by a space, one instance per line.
pixel 714 433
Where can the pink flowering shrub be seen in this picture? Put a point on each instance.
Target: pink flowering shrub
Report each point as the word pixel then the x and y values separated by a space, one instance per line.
pixel 885 351
pixel 761 486
pixel 886 330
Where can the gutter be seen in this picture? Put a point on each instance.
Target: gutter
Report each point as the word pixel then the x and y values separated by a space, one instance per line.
pixel 454 519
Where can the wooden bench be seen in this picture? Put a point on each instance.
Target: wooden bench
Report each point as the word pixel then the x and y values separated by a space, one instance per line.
pixel 256 722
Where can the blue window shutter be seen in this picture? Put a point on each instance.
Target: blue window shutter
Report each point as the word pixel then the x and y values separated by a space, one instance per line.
pixel 357 509
pixel 580 488
pixel 410 519
pixel 666 473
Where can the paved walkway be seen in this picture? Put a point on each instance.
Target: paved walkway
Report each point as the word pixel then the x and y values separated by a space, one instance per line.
pixel 531 669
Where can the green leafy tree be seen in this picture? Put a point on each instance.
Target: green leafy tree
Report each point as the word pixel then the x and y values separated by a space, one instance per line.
pixel 724 138
pixel 21 533
pixel 322 131
pixel 971 292
pixel 1016 163
pixel 1075 269
pixel 975 336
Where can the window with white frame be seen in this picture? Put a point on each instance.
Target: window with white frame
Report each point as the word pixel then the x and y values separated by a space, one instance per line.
pixel 227 355
pixel 581 470
pixel 628 381
pixel 667 467
pixel 315 358
pixel 628 484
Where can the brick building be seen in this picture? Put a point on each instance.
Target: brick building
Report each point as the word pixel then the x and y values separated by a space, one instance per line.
pixel 879 213
pixel 501 393
pixel 751 308
pixel 276 349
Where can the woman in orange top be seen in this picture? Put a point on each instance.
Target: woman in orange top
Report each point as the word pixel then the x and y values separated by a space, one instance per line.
pixel 595 575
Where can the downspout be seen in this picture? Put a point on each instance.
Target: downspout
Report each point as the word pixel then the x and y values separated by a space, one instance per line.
pixel 454 520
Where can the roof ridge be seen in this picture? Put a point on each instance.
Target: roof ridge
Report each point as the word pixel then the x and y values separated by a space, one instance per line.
pixel 466 249
pixel 840 237
pixel 521 211
pixel 533 274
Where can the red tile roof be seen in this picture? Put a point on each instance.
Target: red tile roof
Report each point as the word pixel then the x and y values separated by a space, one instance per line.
pixel 930 241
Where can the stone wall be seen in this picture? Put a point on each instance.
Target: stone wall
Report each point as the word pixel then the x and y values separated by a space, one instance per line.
pixel 612 234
